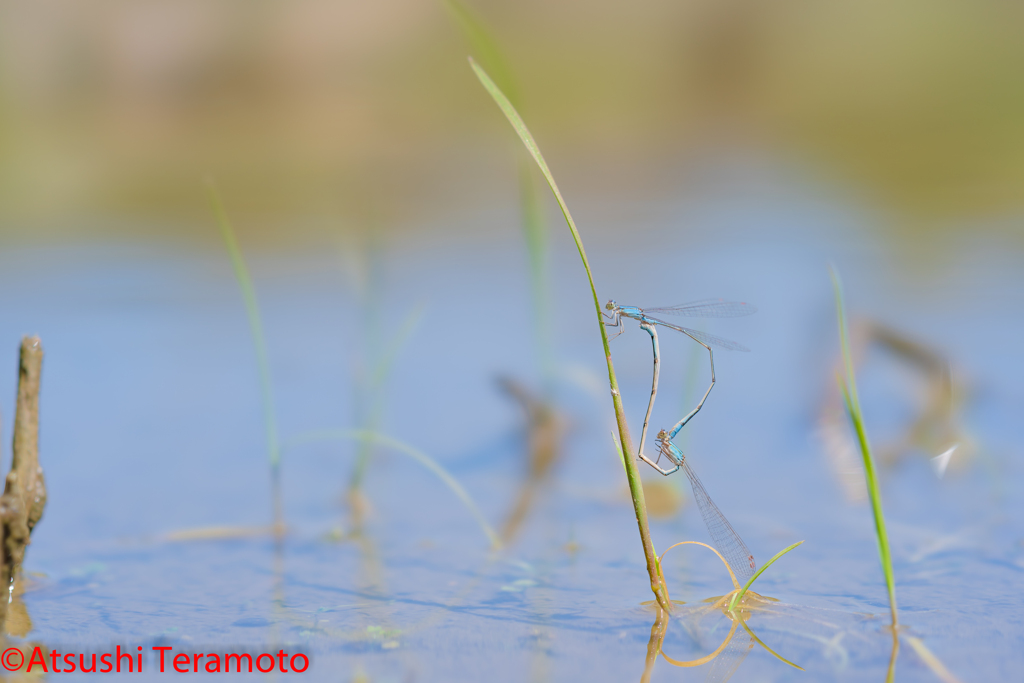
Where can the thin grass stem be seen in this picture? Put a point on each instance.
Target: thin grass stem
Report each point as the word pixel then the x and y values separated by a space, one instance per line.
pixel 252 309
pixel 632 474
pixel 376 393
pixel 535 234
pixel 485 46
pixel 848 386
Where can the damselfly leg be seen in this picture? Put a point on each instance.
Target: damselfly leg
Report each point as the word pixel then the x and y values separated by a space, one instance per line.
pixel 709 308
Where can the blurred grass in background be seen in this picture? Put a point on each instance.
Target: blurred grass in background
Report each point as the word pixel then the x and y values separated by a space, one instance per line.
pixel 317 114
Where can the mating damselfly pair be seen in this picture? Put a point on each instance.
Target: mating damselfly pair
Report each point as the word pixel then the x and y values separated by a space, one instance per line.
pixel 725 538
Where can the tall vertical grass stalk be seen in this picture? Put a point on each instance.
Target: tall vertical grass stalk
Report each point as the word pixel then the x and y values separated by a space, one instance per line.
pixel 852 401
pixel 256 328
pixel 632 475
pixel 535 233
pixel 534 226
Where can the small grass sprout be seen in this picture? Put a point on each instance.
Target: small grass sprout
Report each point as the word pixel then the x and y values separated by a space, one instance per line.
pixel 848 386
pixel 738 595
pixel 734 597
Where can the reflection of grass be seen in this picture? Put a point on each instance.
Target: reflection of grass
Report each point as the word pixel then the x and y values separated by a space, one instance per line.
pixel 931 661
pixel 737 605
pixel 848 385
pixel 633 476
pixel 544 428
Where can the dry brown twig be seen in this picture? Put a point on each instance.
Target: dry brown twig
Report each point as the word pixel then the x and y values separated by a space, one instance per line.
pixel 24 497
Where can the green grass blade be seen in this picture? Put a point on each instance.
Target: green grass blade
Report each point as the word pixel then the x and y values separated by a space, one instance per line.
pixel 414 453
pixel 534 226
pixel 376 394
pixel 743 591
pixel 848 386
pixel 535 234
pixel 398 342
pixel 484 45
pixel 252 310
pixel 531 146
pixel 636 489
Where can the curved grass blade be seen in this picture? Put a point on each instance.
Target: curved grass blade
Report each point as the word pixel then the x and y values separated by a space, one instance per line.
pixel 727 567
pixel 743 591
pixel 534 225
pixel 486 48
pixel 636 489
pixel 414 453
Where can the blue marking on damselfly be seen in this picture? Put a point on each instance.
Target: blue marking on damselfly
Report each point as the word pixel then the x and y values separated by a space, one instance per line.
pixel 706 308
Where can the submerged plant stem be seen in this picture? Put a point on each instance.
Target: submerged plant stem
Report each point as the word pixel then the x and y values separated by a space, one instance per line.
pixel 632 474
pixel 848 385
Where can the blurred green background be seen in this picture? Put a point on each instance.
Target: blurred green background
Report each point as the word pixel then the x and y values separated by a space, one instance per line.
pixel 317 115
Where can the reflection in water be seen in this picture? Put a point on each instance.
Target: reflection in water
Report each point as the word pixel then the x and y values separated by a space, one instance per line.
pixel 731 652
pixel 572 618
pixel 936 428
pixel 726 664
pixel 738 605
pixel 834 631
pixel 544 430
pixel 374 364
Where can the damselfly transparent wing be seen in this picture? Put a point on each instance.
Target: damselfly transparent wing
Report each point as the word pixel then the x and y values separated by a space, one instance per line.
pixel 725 538
pixel 704 337
pixel 707 308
